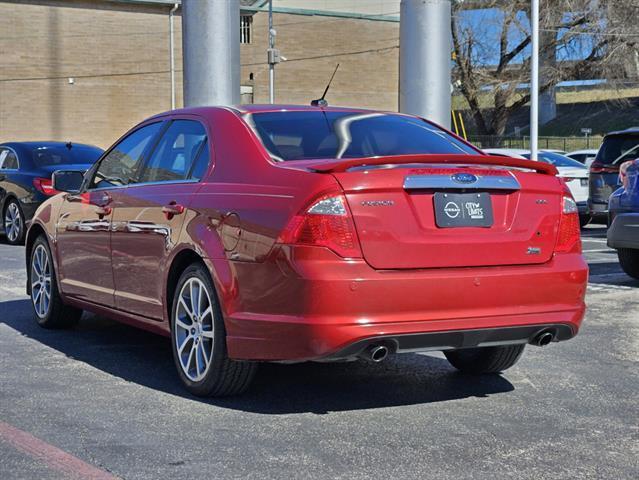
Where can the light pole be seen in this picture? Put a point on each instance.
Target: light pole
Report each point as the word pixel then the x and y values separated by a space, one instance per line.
pixel 424 59
pixel 534 79
pixel 211 52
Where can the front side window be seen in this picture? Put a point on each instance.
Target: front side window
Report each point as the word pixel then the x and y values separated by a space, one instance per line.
pixel 175 153
pixel 320 134
pixel 8 160
pixel 121 165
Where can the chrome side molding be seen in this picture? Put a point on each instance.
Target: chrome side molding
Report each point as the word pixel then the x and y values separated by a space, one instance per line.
pixel 447 182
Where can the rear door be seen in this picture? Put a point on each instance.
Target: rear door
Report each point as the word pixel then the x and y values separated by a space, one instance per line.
pixel 149 215
pixel 436 217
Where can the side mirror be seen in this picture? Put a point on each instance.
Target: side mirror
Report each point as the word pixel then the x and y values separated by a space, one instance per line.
pixel 68 180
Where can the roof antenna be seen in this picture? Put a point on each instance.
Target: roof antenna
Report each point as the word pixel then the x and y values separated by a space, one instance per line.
pixel 320 102
pixel 68 145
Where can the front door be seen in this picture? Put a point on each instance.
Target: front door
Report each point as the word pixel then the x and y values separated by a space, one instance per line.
pixel 149 216
pixel 83 230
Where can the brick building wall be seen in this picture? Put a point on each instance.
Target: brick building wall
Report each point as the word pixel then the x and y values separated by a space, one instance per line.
pixel 118 57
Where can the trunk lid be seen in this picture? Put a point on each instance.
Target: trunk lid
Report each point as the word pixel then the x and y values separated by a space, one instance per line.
pixel 393 208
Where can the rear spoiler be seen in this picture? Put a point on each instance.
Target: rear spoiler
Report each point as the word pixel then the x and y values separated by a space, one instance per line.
pixel 342 165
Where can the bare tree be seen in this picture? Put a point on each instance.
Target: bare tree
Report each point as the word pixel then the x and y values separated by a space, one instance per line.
pixel 580 39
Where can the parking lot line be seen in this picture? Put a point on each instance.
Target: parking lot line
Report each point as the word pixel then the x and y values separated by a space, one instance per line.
pixel 51 456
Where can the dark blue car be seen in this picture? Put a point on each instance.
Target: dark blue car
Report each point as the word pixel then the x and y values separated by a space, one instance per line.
pixel 623 218
pixel 25 178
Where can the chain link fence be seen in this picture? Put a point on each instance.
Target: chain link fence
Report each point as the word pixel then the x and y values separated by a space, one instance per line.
pixel 566 144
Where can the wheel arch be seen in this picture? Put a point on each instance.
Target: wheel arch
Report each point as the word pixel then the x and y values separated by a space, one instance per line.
pixel 179 263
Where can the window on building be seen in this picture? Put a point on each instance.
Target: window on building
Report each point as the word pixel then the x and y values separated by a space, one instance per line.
pixel 246 22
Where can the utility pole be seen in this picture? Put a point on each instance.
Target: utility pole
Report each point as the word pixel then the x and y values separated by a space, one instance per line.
pixel 534 79
pixel 424 59
pixel 271 48
pixel 211 52
pixel 172 52
pixel 273 54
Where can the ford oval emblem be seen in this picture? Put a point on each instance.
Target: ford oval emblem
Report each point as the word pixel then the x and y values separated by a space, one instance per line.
pixel 464 178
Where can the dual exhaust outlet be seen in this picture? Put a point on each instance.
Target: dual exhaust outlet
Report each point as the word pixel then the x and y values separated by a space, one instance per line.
pixel 378 353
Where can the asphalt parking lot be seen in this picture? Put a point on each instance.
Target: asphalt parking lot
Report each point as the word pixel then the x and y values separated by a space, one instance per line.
pixel 104 401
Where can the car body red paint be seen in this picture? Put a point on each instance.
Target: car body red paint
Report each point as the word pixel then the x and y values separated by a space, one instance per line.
pixel 297 302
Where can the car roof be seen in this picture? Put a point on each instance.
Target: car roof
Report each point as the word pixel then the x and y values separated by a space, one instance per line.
pixel 587 150
pixel 262 108
pixel 46 144
pixel 631 130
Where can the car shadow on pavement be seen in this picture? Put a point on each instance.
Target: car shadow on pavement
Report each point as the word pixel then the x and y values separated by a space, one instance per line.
pixel 143 358
pixel 611 274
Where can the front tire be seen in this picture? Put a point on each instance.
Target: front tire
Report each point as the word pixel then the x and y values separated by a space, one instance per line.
pixel 629 260
pixel 485 359
pixel 198 339
pixel 48 308
pixel 13 220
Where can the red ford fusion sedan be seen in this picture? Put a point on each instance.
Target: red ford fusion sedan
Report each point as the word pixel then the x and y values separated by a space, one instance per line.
pixel 289 234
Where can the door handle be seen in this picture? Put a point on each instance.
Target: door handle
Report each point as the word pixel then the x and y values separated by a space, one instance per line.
pixel 103 206
pixel 172 209
pixel 103 211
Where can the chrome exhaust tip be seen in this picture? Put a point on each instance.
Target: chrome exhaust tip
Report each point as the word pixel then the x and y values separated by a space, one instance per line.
pixel 543 339
pixel 375 353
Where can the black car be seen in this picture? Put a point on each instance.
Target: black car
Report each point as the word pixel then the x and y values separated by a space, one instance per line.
pixel 25 178
pixel 617 148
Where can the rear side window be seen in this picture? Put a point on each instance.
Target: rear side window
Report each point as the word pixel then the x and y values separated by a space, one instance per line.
pixel 73 154
pixel 617 149
pixel 176 152
pixel 321 134
pixel 201 162
pixel 8 160
pixel 121 164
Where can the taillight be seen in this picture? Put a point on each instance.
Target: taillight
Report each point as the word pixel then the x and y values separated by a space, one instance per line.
pixel 327 222
pixel 596 167
pixel 44 185
pixel 569 238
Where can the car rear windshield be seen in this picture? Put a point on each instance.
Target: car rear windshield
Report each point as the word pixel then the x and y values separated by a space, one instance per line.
pixel 617 149
pixel 334 134
pixel 557 160
pixel 77 154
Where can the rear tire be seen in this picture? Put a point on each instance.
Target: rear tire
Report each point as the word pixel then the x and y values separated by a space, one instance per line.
pixel 13 222
pixel 484 359
pixel 198 339
pixel 48 308
pixel 629 260
pixel 584 219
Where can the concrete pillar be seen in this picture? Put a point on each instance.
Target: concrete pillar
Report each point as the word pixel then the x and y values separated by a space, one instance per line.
pixel 424 59
pixel 211 52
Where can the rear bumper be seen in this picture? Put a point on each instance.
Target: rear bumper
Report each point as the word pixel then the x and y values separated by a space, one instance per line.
pixel 454 339
pixel 582 208
pixel 597 208
pixel 307 306
pixel 624 231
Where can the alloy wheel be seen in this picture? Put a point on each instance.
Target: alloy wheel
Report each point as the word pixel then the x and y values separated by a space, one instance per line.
pixel 194 329
pixel 12 222
pixel 41 281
